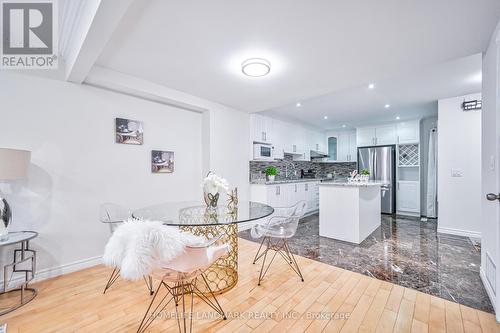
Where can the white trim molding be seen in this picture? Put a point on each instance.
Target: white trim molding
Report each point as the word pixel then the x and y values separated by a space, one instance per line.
pixel 487 286
pixel 459 232
pixel 52 272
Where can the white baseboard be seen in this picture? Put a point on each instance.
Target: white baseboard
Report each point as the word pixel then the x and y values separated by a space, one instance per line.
pixel 459 232
pixel 489 291
pixel 48 273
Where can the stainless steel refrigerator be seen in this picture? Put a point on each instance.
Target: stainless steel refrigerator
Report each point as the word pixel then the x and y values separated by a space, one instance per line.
pixel 380 161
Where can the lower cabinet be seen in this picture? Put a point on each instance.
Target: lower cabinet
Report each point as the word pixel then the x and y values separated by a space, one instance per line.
pixel 287 194
pixel 408 197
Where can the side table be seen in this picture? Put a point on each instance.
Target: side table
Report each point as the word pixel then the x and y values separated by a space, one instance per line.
pixel 24 262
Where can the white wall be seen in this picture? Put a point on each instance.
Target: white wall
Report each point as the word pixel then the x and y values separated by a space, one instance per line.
pixel 490 149
pixel 459 147
pixel 76 165
pixel 229 137
pixel 226 131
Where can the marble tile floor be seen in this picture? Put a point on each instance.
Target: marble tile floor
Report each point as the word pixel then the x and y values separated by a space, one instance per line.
pixel 403 251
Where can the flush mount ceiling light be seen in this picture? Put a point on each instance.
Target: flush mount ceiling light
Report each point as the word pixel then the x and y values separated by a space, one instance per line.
pixel 398 117
pixel 344 126
pixel 387 106
pixel 298 105
pixel 371 86
pixel 256 67
pixel 325 117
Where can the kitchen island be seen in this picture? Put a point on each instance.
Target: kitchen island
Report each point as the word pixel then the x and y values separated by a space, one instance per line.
pixel 349 211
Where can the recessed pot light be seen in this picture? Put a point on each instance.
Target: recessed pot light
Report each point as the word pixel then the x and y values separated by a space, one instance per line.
pixel 387 106
pixel 397 118
pixel 344 126
pixel 371 86
pixel 256 67
pixel 298 105
pixel 325 117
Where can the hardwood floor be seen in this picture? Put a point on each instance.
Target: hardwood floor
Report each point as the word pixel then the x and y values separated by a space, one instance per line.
pixel 330 300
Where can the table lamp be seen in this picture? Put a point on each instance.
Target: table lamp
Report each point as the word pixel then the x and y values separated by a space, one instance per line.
pixel 13 165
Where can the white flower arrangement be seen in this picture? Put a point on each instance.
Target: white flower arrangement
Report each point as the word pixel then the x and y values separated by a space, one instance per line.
pixel 214 184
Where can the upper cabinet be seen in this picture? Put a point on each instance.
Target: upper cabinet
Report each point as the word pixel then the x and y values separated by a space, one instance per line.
pixel 385 135
pixel 286 138
pixel 342 146
pixel 376 135
pixel 408 132
pixel 365 136
pixel 261 128
pixel 317 142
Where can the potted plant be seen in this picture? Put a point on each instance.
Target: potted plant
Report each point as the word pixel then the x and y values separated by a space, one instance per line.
pixel 365 175
pixel 271 173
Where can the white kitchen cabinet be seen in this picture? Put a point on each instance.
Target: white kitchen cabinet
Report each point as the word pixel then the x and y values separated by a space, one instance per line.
pixel 408 197
pixel 376 136
pixel 261 128
pixel 353 147
pixel 279 139
pixel 287 194
pixel 317 142
pixel 385 135
pixel 365 136
pixel 408 132
pixel 346 146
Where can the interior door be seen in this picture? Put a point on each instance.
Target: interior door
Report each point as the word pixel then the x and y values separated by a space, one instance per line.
pixel 490 174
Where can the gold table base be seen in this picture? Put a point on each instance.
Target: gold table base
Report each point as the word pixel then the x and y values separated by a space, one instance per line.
pixel 222 276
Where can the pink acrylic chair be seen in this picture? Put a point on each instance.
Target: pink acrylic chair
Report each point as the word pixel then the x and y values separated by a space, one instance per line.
pixel 180 277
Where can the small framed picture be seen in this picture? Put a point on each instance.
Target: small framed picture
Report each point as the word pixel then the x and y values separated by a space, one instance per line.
pixel 129 131
pixel 162 161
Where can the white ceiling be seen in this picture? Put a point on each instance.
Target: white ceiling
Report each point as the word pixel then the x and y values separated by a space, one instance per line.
pixel 315 48
pixel 410 95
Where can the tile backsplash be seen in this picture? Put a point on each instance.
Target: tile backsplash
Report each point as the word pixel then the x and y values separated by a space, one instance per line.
pixel 257 168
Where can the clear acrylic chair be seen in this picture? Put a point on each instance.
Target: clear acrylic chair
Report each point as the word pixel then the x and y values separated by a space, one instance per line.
pixel 275 233
pixel 114 215
pixel 179 278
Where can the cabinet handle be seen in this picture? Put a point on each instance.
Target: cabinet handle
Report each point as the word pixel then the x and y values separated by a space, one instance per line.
pixel 294 148
pixel 295 187
pixel 317 146
pixel 398 138
pixel 306 188
pixel 263 135
pixel 277 190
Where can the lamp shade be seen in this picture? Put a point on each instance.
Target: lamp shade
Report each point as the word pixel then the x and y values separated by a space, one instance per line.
pixel 14 163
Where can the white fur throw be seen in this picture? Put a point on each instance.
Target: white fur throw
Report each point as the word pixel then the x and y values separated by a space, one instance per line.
pixel 136 247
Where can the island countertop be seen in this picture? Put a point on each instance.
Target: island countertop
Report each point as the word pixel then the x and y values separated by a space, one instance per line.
pixel 352 184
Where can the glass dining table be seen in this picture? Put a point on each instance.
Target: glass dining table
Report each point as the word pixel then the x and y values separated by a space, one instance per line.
pixel 197 218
